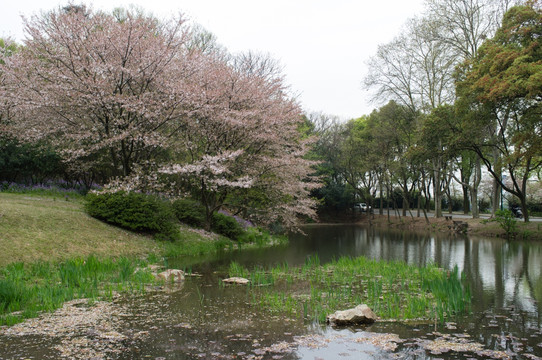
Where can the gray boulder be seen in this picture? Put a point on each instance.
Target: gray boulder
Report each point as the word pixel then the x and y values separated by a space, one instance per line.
pixel 361 314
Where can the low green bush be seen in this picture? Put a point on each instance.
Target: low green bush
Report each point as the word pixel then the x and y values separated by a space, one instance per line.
pixel 226 225
pixel 135 211
pixel 508 223
pixel 254 235
pixel 189 212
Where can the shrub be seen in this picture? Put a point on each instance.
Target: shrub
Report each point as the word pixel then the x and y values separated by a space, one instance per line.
pixel 28 162
pixel 483 205
pixel 189 212
pixel 134 211
pixel 506 220
pixel 254 235
pixel 227 226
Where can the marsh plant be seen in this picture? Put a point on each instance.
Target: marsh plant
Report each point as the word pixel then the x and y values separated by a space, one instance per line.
pixel 27 290
pixel 393 290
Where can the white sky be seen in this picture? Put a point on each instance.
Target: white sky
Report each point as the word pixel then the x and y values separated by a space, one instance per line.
pixel 322 45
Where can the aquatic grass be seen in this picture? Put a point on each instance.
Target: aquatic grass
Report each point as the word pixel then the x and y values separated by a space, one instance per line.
pixel 261 278
pixel 11 295
pixel 237 270
pixel 394 290
pixel 311 262
pixel 25 291
pixel 449 292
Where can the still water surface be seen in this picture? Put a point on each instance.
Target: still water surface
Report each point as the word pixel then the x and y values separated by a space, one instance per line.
pixel 505 279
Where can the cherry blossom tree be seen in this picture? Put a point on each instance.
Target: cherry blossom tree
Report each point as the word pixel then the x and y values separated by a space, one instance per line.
pixel 242 149
pixel 102 87
pixel 152 106
pixel 7 49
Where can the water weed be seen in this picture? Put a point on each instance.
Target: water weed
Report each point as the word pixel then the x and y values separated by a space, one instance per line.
pixel 394 290
pixel 25 291
pixel 237 270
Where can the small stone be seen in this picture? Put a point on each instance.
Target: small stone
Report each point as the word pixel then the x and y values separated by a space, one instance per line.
pixel 172 275
pixel 236 280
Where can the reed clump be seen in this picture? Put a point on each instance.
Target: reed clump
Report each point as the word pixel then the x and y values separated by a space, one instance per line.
pixel 393 290
pixel 27 290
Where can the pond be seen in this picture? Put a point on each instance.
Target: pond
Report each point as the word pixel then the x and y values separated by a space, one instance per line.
pixel 202 319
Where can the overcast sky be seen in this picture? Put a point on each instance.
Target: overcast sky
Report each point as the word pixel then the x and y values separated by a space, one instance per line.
pixel 322 45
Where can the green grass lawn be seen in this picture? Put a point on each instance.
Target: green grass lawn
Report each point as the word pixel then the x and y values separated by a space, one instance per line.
pixel 36 228
pixel 46 228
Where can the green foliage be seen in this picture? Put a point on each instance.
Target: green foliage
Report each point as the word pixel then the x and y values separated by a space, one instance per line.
pixel 27 290
pixel 393 290
pixel 226 225
pixel 508 223
pixel 335 197
pixel 189 212
pixel 254 235
pixel 134 211
pixel 457 203
pixel 28 163
pixel 237 270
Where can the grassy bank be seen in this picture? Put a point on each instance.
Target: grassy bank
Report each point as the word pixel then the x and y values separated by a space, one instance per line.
pixel 393 290
pixel 52 252
pixel 49 228
pixel 531 231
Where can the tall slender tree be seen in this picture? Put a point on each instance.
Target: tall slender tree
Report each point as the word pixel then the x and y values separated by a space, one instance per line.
pixel 505 84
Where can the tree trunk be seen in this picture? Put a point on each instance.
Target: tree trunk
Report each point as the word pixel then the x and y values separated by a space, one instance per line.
pixel 466 167
pixel 436 189
pixel 419 205
pixel 524 209
pixel 388 200
pixel 381 211
pixel 474 188
pixel 406 203
pixel 466 203
pixel 474 202
pixel 496 200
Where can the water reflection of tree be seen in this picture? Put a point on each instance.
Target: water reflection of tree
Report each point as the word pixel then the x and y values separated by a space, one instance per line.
pixel 525 273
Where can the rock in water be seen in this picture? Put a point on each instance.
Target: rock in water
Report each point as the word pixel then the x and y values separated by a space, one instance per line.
pixel 173 275
pixel 361 314
pixel 236 280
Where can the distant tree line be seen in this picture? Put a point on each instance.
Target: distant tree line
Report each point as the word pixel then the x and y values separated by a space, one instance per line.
pixel 461 92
